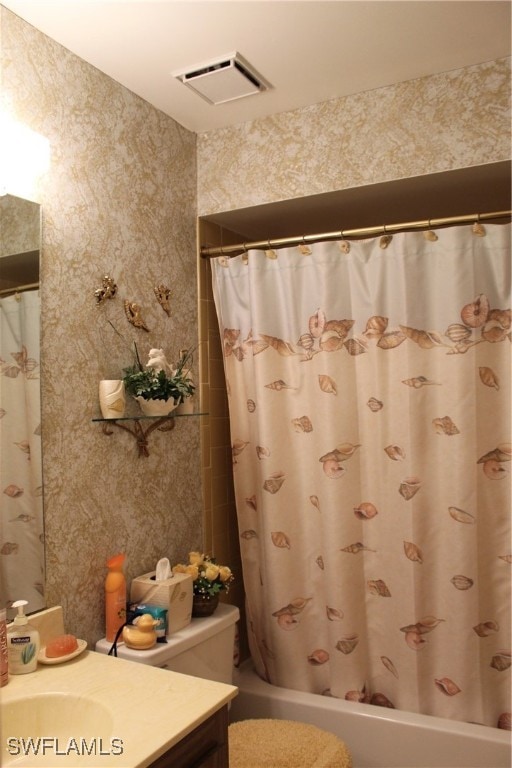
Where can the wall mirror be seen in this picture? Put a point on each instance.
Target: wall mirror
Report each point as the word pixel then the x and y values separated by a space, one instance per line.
pixel 21 481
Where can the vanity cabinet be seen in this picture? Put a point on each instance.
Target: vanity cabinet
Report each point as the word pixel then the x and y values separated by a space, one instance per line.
pixel 205 747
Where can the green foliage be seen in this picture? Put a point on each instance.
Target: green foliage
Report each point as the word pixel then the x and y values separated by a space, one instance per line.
pixel 152 385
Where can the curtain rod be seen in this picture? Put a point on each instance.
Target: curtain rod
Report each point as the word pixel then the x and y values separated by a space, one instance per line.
pixel 19 288
pixel 281 242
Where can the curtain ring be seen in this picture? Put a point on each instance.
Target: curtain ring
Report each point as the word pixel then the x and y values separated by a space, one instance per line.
pixel 384 228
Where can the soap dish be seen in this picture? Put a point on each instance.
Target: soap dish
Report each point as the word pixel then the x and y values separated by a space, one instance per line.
pixel 44 659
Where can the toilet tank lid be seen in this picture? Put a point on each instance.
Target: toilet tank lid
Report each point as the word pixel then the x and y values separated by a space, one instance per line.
pixel 194 633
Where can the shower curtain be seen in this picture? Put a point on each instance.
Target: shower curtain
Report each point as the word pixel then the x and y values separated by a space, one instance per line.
pixel 369 397
pixel 21 519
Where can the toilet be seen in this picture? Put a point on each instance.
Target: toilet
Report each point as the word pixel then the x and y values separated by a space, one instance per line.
pixel 204 648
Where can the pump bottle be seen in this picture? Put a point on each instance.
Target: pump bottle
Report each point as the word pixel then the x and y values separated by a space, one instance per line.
pixel 115 597
pixel 22 643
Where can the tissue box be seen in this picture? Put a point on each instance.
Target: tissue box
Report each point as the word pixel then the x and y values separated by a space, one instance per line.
pixel 174 593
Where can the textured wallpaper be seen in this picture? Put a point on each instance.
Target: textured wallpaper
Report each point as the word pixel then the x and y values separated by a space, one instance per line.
pixel 438 123
pixel 120 198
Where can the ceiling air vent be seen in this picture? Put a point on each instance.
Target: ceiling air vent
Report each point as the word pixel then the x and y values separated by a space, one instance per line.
pixel 225 79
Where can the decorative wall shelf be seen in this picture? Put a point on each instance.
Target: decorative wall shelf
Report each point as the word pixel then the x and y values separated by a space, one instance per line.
pixel 140 432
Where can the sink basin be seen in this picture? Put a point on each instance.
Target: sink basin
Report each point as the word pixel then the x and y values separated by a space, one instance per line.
pixel 50 729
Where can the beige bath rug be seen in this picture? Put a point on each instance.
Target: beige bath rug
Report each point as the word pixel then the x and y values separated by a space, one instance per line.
pixel 284 744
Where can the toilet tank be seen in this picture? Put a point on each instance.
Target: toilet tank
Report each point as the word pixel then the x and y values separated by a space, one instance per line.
pixel 204 648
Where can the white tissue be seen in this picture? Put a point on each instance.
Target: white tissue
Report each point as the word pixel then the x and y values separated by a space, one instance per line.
pixel 163 569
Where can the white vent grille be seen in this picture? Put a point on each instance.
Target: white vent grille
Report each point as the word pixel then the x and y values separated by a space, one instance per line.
pixel 225 79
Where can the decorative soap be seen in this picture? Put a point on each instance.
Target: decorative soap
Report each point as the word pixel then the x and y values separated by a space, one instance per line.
pixel 61 646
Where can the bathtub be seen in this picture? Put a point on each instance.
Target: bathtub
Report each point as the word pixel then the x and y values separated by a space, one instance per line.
pixel 376 736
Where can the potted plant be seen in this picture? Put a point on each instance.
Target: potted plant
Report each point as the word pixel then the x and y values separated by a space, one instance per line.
pixel 159 387
pixel 208 580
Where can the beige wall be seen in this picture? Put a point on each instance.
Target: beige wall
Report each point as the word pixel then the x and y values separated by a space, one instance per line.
pixel 120 197
pixel 438 123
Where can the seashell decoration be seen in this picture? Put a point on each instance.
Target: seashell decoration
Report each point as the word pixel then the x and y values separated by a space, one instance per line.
pixel 423 626
pixel 395 452
pixel 345 450
pixel 391 340
pixel 445 426
pixel 447 686
pixel 278 385
pixel 486 628
pixel 494 470
pixel 366 510
pixel 379 700
pixel 303 424
pixel 296 606
pixel 287 622
pixel 273 483
pixel 389 665
pixel 251 406
pixel 9 548
pixel 374 404
pixel 412 552
pixel 344 246
pixel 430 235
pixel 385 241
pixel 327 384
pixel 375 326
pixel 262 452
pixel 333 468
pixel 320 562
pixel 249 534
pixel 354 549
pixel 13 491
pixel 478 229
pixel 334 614
pixel 414 640
pixel 270 254
pixel 361 696
pixel 317 324
pixel 418 381
pixel 283 347
pixel 342 327
pixel 319 656
pixel 251 502
pixel 462 582
pixel 504 721
pixel 306 341
pixel 476 312
pixel 460 516
pixel 501 661
pixel 378 587
pixel 506 558
pixel 409 487
pixel 237 448
pixel 280 539
pixel 458 332
pixel 330 341
pixel 347 644
pixel 304 250
pixel 355 346
pixel 315 502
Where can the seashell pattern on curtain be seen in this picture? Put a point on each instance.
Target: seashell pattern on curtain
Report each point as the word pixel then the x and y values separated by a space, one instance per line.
pixel 369 393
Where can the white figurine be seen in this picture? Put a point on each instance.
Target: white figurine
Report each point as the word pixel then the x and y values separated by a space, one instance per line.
pixel 158 361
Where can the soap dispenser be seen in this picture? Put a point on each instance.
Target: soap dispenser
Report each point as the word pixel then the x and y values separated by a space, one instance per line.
pixel 22 643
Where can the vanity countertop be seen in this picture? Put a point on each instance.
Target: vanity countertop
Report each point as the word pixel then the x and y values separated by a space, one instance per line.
pixel 151 709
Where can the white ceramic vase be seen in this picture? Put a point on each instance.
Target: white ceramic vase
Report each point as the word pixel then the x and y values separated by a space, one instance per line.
pixel 156 407
pixel 112 398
